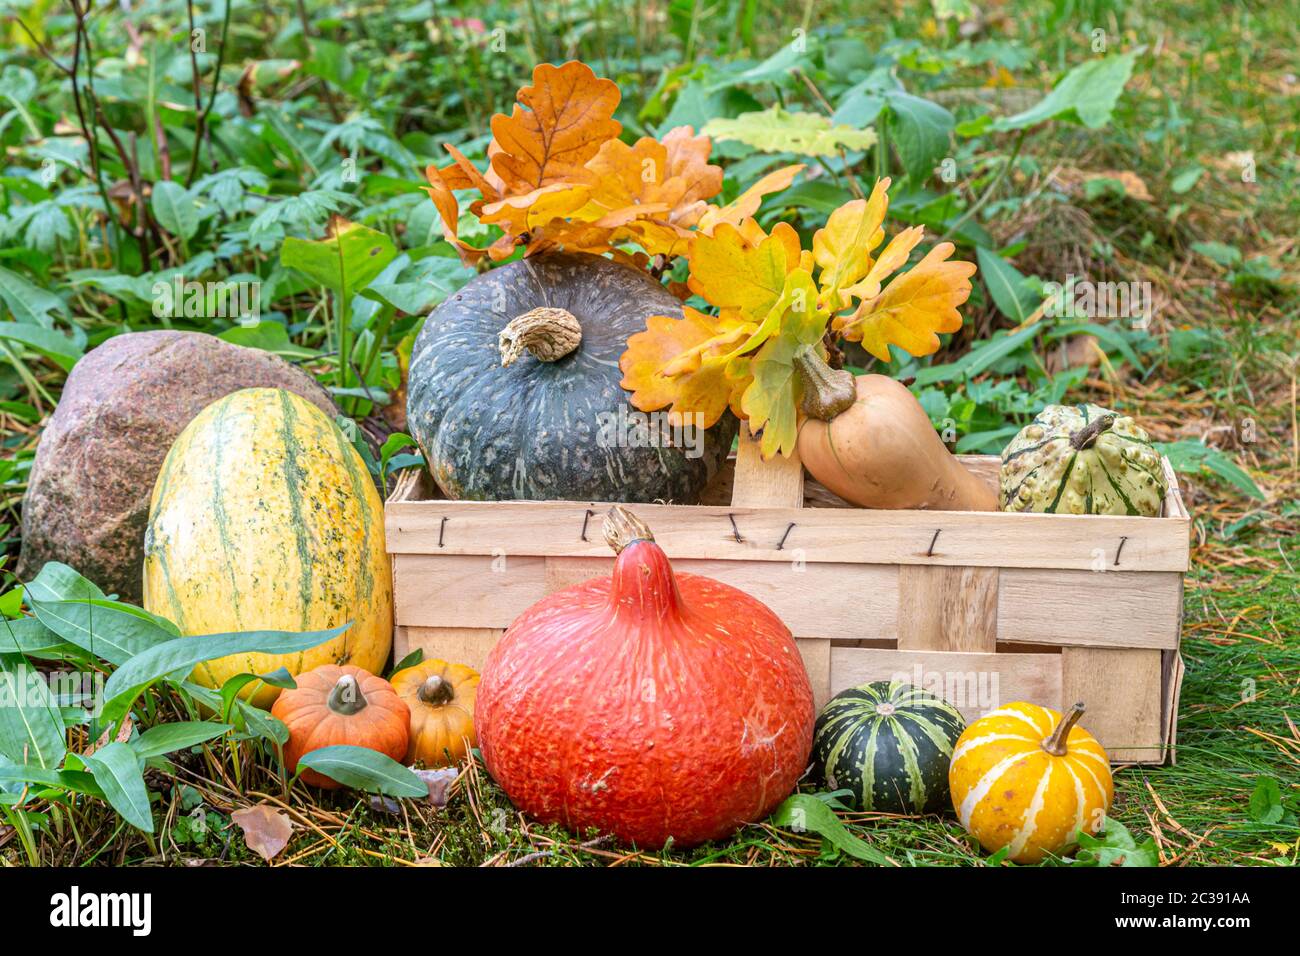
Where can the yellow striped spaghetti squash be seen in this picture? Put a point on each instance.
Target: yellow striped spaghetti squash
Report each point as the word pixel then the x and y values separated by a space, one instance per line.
pixel 264 517
pixel 1026 779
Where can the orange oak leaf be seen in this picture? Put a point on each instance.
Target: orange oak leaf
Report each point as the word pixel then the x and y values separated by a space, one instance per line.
pixel 652 192
pixel 449 215
pixel 559 123
pixel 690 349
pixel 747 203
pixel 531 210
pixel 913 308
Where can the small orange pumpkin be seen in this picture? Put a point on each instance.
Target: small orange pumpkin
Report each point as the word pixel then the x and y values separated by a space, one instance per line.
pixel 1027 779
pixel 341 705
pixel 441 698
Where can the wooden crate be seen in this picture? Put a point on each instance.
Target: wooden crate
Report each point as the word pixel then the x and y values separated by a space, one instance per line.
pixel 985 608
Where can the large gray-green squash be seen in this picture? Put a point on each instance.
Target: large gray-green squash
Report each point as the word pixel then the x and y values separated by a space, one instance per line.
pixel 514 390
pixel 1082 459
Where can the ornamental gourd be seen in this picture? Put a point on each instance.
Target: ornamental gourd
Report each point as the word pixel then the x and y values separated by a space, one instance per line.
pixel 652 705
pixel 889 743
pixel 265 518
pixel 514 389
pixel 1024 778
pixel 1082 460
pixel 341 705
pixel 869 440
pixel 441 698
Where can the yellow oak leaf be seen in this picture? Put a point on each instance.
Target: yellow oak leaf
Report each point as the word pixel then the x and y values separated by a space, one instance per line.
pixel 569 115
pixel 771 400
pixel 843 247
pixel 913 308
pixel 892 258
pixel 732 273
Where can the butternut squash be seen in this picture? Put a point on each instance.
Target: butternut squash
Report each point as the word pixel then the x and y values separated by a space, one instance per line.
pixel 882 452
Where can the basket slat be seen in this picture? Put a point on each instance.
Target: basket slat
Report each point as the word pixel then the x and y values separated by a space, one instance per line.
pixel 1047 608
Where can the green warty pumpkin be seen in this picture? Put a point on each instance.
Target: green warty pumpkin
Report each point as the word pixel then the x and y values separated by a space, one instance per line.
pixel 1082 459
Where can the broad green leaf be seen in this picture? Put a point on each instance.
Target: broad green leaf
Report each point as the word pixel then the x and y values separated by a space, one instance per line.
pixel 392 445
pixel 1115 847
pixel 983 355
pixel 120 774
pixel 1185 180
pixel 108 629
pixel 777 131
pixel 803 812
pixel 1266 801
pixel 28 302
pixel 256 722
pixel 31 727
pixel 1087 95
pixel 410 660
pixel 777 68
pixel 55 346
pixel 1219 252
pixel 230 689
pixel 269 337
pixel 364 769
pixel 920 130
pixel 27 635
pixel 175 209
pixel 1191 457
pixel 347 260
pixel 1010 289
pixel 413 298
pixel 816 195
pixel 57 581
pixel 859 107
pixel 180 655
pixel 167 738
pixel 986 442
pixel 75 780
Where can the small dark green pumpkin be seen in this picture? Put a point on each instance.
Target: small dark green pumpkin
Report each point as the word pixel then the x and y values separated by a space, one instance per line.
pixel 505 406
pixel 889 743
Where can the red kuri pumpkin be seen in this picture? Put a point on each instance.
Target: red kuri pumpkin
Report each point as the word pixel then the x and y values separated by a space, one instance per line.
pixel 651 705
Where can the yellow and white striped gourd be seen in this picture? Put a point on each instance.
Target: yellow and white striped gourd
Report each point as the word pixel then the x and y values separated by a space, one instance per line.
pixel 1024 778
pixel 265 518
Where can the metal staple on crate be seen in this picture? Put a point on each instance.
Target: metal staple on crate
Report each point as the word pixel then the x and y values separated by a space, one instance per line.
pixel 442 526
pixel 930 552
pixel 585 519
pixel 781 544
pixel 735 532
pixel 1122 539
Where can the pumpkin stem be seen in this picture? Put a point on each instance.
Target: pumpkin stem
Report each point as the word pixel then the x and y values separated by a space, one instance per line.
pixel 436 691
pixel 346 697
pixel 1055 744
pixel 621 528
pixel 1086 436
pixel 550 334
pixel 826 391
